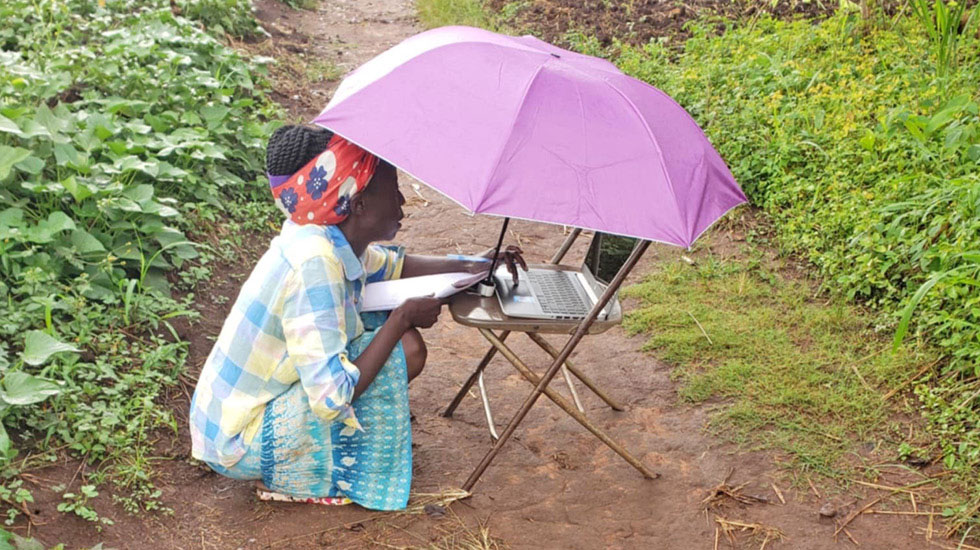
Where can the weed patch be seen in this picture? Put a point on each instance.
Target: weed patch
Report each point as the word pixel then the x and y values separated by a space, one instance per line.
pixel 795 373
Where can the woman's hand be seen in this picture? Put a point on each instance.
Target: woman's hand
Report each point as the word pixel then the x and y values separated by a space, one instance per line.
pixel 512 256
pixel 422 312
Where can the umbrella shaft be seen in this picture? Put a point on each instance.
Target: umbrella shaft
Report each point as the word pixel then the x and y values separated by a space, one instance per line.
pixel 496 252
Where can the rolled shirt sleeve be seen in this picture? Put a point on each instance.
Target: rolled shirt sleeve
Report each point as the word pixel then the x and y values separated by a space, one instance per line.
pixel 383 263
pixel 315 330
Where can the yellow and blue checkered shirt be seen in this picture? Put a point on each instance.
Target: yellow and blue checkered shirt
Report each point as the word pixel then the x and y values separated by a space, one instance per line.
pixel 291 322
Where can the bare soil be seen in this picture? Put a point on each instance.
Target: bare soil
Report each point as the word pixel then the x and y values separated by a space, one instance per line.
pixel 554 485
pixel 638 21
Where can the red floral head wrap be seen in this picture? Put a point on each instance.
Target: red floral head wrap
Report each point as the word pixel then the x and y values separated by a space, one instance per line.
pixel 320 192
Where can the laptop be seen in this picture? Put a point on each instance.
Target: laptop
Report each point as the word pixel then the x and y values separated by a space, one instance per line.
pixel 559 292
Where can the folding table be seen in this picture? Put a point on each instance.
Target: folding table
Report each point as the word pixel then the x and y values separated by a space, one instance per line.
pixel 484 314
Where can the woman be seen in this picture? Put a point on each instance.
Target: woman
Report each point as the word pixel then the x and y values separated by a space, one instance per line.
pixel 301 391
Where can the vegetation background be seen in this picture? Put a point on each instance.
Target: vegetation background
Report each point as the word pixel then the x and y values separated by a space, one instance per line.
pixel 131 139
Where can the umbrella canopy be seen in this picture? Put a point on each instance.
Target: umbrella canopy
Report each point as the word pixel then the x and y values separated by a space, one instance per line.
pixel 516 127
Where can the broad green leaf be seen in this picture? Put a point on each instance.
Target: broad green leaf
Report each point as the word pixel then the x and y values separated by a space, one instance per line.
pixel 139 193
pixel 12 217
pixel 157 279
pixel 940 119
pixel 58 221
pixel 32 165
pixel 52 122
pixel 65 154
pixel 40 346
pixel 20 388
pixel 9 156
pixel 214 114
pixel 5 447
pixel 9 126
pixel 21 543
pixel 79 190
pixel 973 153
pixel 86 243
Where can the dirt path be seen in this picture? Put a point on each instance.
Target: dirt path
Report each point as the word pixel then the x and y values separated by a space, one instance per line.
pixel 555 486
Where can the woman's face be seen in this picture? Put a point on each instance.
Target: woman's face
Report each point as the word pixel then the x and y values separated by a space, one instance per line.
pixel 383 204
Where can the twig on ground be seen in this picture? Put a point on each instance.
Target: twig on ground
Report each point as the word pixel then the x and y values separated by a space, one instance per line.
pixel 768 533
pixel 929 528
pixel 851 537
pixel 861 378
pixel 419 501
pixel 966 401
pixel 700 327
pixel 901 386
pixel 723 489
pixel 778 493
pixel 418 191
pixel 900 513
pixel 904 489
pixel 850 517
pixel 813 487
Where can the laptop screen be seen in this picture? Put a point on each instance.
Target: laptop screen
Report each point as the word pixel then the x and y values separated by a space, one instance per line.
pixel 607 254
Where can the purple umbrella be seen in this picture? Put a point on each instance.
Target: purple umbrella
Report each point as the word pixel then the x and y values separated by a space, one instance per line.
pixel 519 128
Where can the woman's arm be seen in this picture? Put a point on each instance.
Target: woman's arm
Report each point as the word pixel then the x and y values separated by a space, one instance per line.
pixel 415 312
pixel 417 265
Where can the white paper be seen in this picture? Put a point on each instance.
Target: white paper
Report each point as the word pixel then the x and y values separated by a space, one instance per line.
pixel 387 295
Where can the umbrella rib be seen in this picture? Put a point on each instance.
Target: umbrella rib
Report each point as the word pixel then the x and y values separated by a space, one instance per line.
pixel 503 147
pixel 653 140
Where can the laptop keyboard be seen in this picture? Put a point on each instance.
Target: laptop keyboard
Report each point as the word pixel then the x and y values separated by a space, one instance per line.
pixel 556 293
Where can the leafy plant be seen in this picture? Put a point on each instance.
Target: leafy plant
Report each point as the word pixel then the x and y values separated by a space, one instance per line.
pixel 128 133
pixel 18 388
pixel 944 22
pixel 78 504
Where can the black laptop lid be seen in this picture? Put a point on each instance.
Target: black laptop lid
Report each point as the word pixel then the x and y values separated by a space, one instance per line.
pixel 607 254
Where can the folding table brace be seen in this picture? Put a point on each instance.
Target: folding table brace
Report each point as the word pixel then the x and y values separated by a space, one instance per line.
pixel 559 361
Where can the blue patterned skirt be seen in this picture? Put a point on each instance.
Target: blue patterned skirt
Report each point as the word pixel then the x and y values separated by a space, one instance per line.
pixel 299 454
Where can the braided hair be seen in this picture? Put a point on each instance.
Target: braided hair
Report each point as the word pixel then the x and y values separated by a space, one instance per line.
pixel 292 146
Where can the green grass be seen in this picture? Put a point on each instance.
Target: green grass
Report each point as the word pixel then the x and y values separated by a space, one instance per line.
pixel 320 70
pixel 440 13
pixel 788 370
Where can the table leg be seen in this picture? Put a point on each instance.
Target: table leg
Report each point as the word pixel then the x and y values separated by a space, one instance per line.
pixel 571 389
pixel 473 377
pixel 568 408
pixel 546 346
pixel 486 408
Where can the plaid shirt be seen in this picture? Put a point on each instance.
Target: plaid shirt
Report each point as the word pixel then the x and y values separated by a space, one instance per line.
pixel 292 321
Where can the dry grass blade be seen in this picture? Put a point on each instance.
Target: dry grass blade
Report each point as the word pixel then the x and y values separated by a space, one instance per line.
pixel 857 512
pixel 778 493
pixel 756 531
pixel 724 491
pixel 459 536
pixel 814 488
pixel 418 501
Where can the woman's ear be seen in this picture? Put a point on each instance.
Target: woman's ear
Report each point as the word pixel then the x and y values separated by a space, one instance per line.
pixel 357 205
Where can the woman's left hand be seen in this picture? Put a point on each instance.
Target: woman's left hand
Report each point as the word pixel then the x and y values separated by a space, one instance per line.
pixel 512 256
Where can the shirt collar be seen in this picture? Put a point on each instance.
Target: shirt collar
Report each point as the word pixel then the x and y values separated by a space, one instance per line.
pixel 353 268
